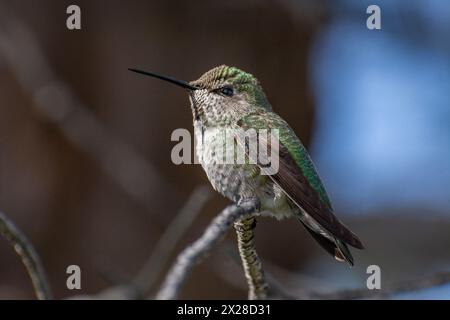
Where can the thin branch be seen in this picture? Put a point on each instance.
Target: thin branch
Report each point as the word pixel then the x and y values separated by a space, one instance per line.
pixel 146 278
pixel 227 270
pixel 253 270
pixel 28 255
pixel 166 245
pixel 196 252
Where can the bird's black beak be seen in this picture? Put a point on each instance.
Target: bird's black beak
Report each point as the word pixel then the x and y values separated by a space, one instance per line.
pixel 180 83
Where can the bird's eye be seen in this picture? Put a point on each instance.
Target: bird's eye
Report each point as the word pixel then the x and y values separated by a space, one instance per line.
pixel 227 91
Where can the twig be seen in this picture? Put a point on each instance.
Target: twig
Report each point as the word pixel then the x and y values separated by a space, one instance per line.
pixel 164 248
pixel 146 278
pixel 254 272
pixel 28 255
pixel 228 272
pixel 194 254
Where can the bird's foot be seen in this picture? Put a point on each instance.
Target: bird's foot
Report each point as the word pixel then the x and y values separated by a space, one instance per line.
pixel 250 204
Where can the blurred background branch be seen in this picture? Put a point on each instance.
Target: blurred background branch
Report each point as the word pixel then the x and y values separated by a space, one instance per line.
pixel 142 284
pixel 166 245
pixel 57 102
pixel 412 285
pixel 315 288
pixel 29 257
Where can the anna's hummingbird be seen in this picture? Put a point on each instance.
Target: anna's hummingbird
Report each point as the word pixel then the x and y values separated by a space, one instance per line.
pixel 227 97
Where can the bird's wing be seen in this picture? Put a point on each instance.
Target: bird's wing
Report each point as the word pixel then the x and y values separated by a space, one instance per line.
pixel 298 177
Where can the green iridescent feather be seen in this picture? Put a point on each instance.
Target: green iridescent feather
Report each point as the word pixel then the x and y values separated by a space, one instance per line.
pixel 269 120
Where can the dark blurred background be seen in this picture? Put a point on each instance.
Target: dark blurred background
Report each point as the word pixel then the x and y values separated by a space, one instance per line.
pixel 85 167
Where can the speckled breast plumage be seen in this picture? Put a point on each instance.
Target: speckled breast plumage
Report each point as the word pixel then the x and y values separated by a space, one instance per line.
pixel 232 180
pixel 237 181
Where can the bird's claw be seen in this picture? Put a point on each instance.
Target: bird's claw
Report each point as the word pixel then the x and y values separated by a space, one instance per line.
pixel 250 204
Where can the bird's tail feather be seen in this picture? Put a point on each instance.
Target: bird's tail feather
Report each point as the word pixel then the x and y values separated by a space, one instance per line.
pixel 337 248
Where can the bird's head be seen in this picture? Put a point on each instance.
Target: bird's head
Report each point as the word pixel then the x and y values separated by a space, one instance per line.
pixel 221 95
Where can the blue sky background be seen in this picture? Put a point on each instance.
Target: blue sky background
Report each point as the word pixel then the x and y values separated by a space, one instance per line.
pixel 383 122
pixel 382 135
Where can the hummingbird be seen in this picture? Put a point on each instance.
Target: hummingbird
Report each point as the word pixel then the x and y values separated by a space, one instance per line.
pixel 227 97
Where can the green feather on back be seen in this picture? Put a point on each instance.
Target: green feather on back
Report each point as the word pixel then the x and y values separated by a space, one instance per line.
pixel 288 139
